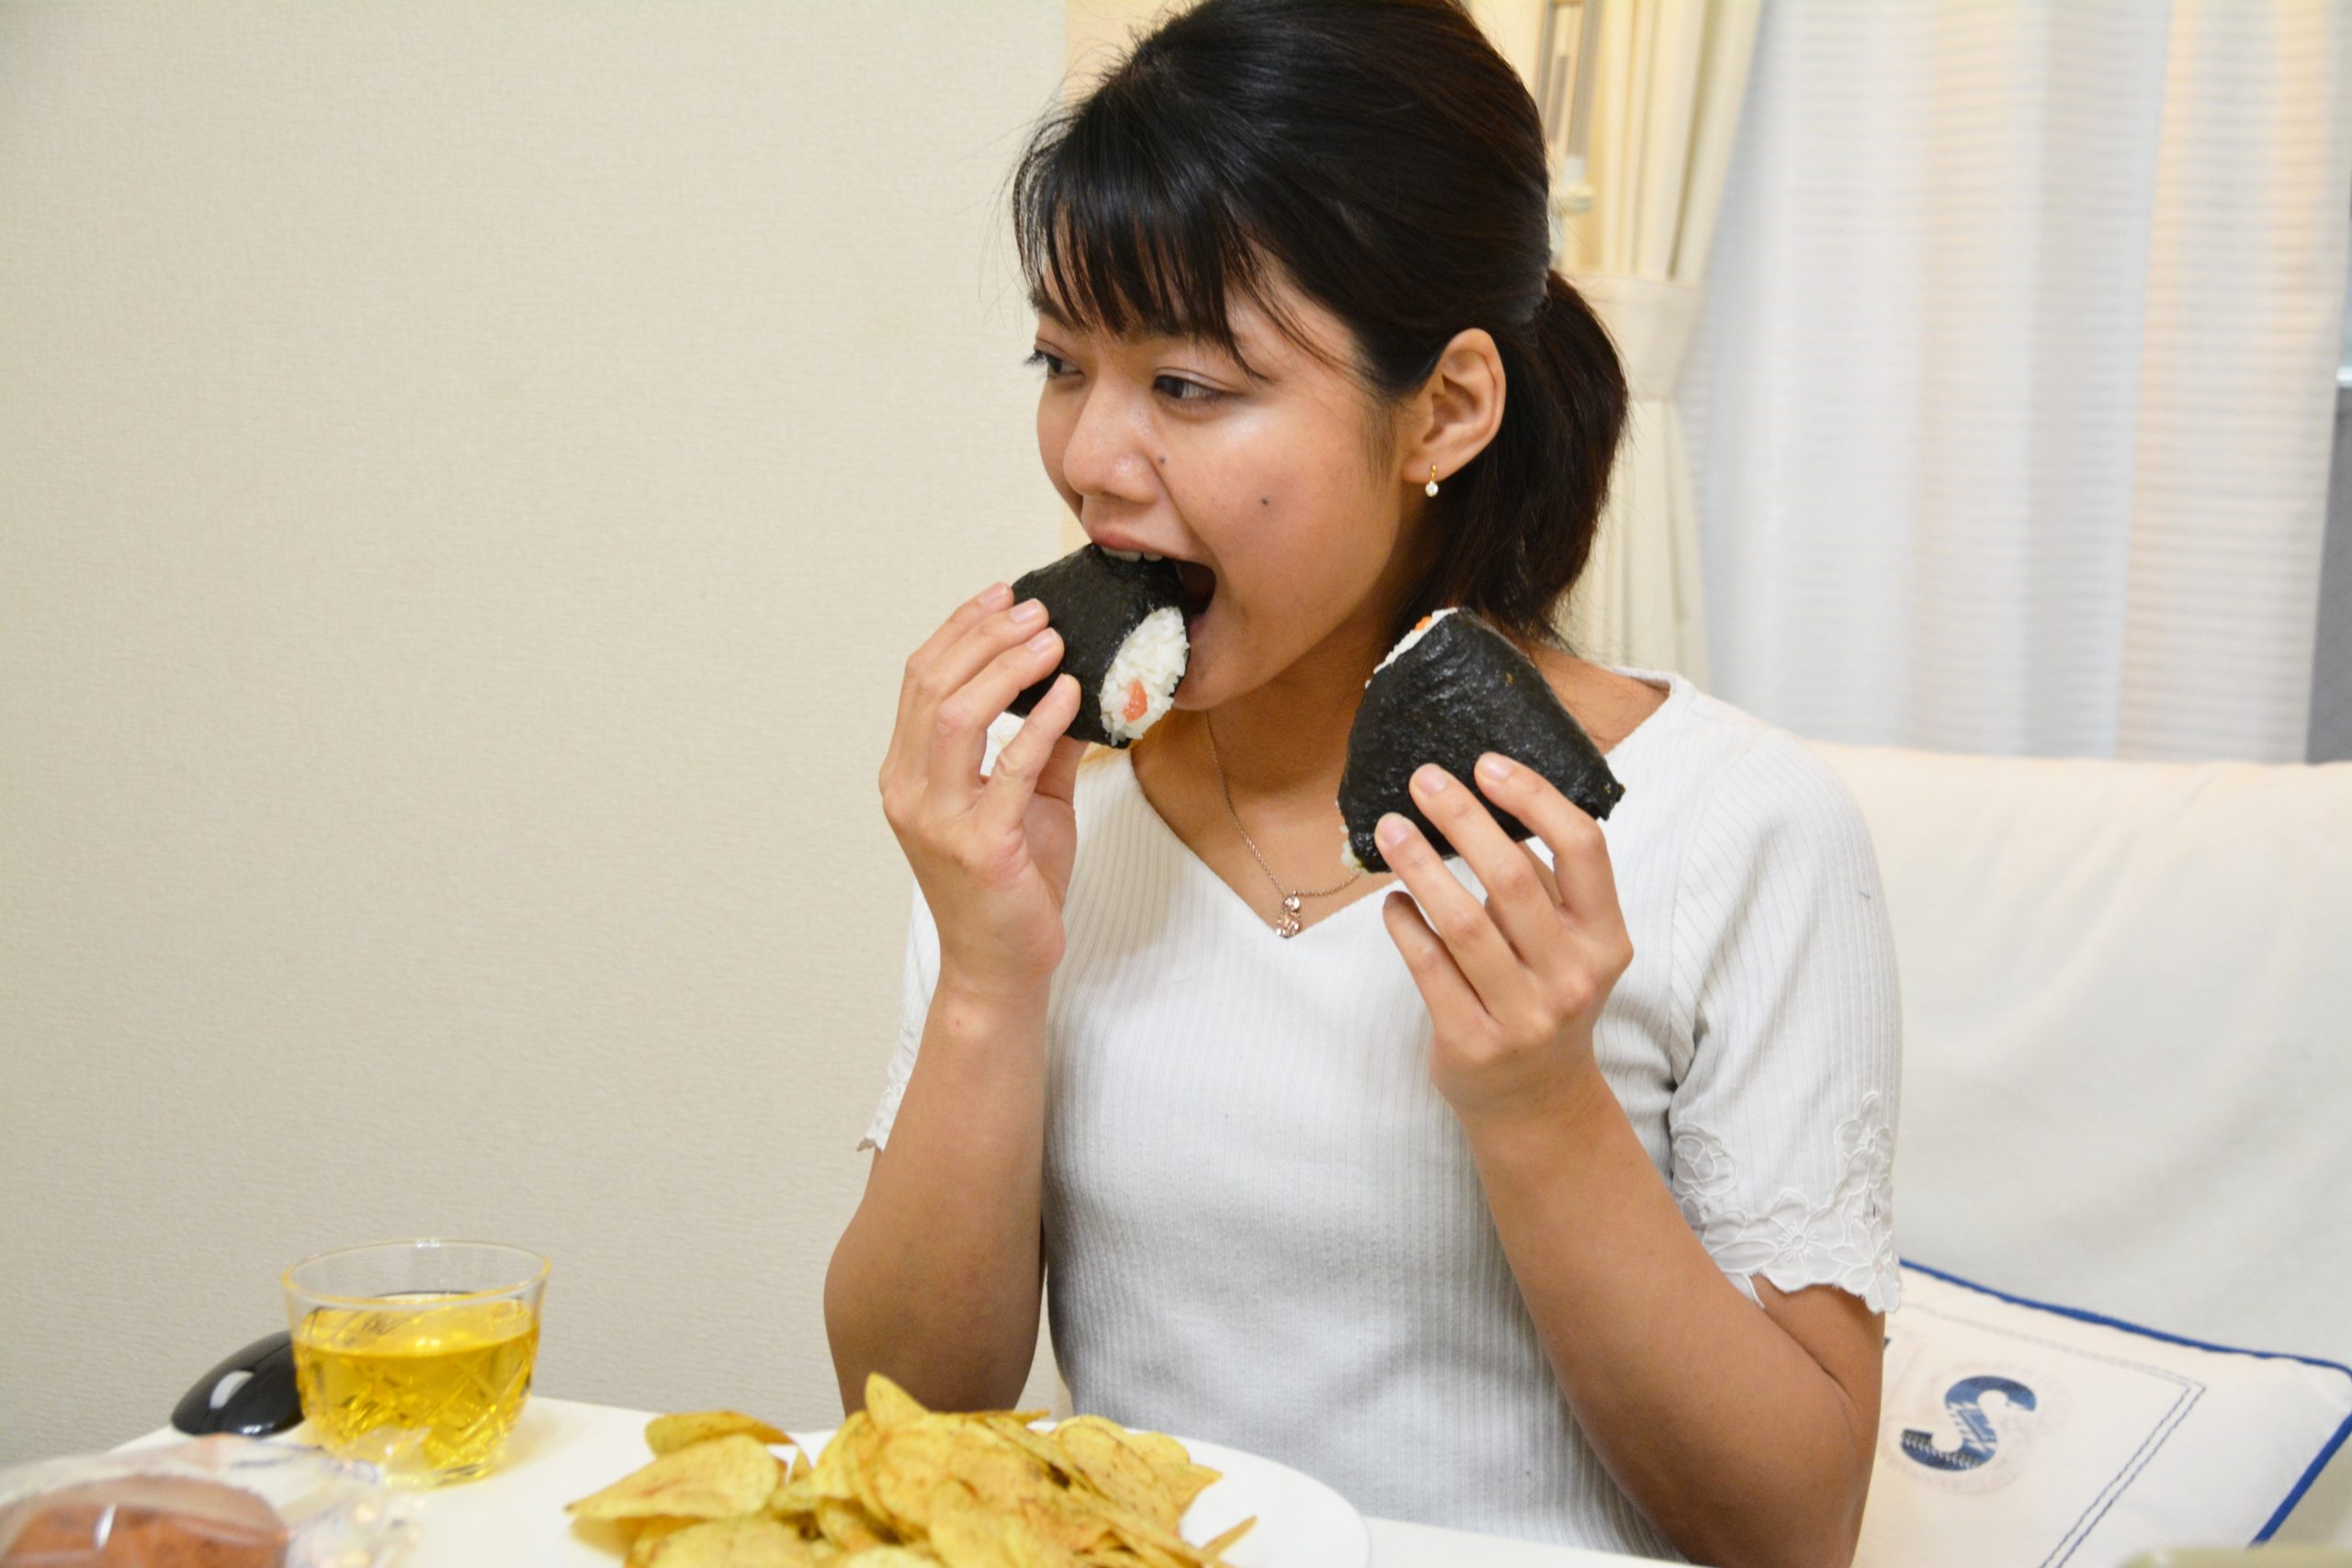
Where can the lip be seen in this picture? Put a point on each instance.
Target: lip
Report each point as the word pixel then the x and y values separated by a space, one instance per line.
pixel 1134 547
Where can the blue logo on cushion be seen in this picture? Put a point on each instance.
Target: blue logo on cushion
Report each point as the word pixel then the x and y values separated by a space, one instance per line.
pixel 1977 1438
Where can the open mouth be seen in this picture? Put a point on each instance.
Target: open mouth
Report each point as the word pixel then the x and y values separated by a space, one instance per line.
pixel 1199 582
pixel 1199 587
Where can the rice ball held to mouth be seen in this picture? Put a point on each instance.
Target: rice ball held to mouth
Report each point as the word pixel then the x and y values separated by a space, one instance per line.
pixel 1452 689
pixel 1121 623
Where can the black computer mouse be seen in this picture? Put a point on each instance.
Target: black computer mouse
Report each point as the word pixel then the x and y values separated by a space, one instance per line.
pixel 253 1391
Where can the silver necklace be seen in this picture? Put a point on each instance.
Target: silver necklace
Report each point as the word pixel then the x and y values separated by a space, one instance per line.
pixel 1288 926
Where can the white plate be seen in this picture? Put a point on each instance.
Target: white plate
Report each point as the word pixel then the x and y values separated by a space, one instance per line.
pixel 562 1451
pixel 1299 1518
pixel 1300 1521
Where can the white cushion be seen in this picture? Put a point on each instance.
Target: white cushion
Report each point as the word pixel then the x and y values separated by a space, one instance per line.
pixel 2127 1011
pixel 2014 1432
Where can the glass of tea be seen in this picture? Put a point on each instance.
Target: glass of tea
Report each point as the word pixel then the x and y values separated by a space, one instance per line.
pixel 416 1354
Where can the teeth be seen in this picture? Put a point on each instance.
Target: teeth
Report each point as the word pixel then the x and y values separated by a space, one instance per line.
pixel 1148 556
pixel 1122 555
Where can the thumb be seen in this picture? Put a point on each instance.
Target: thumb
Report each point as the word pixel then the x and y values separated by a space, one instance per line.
pixel 1059 777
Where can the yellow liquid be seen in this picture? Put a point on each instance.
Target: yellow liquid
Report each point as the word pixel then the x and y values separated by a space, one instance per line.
pixel 430 1393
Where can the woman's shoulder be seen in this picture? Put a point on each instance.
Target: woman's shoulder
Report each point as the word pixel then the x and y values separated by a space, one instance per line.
pixel 1734 777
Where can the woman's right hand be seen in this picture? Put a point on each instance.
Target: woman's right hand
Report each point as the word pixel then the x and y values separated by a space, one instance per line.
pixel 993 852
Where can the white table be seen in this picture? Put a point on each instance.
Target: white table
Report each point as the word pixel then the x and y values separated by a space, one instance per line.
pixel 563 1449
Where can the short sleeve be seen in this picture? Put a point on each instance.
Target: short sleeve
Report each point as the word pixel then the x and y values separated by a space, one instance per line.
pixel 920 977
pixel 1782 1124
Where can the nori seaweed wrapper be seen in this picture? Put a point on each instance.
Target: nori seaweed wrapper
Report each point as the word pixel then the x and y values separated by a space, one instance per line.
pixel 1463 690
pixel 1096 601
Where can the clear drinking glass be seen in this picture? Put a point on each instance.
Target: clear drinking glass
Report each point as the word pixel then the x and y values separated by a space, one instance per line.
pixel 416 1354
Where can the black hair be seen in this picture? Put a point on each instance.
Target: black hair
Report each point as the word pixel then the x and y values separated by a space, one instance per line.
pixel 1391 165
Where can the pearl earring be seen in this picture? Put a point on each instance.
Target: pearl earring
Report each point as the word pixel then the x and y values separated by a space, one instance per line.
pixel 1431 487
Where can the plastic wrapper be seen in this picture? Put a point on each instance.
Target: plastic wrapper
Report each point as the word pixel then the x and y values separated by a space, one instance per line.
pixel 219 1502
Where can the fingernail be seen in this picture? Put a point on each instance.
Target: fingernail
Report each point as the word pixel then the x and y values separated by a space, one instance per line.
pixel 1493 769
pixel 1043 640
pixel 995 594
pixel 1028 612
pixel 1431 777
pixel 1391 831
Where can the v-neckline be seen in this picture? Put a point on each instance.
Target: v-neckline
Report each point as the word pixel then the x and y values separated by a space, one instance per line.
pixel 1192 857
pixel 1676 689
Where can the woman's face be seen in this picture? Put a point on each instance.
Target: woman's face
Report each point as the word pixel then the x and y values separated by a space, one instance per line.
pixel 1263 487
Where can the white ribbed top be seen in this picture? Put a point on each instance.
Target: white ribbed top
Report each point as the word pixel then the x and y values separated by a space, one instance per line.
pixel 1262 1225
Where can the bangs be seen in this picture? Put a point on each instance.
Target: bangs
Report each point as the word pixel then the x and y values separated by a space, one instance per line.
pixel 1122 230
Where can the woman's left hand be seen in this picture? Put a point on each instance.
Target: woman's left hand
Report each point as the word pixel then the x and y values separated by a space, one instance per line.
pixel 1514 984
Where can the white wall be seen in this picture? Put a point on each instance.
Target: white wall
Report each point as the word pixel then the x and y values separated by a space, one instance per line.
pixel 469 473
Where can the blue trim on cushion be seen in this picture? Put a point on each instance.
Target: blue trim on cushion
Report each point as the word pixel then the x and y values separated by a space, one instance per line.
pixel 2311 1474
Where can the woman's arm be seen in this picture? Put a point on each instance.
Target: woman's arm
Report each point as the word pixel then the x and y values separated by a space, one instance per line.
pixel 937 1280
pixel 1746 1436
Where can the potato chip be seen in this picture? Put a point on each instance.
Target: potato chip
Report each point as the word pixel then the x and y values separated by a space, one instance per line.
pixel 649 1533
pixel 890 1405
pixel 666 1434
pixel 838 1466
pixel 1000 1472
pixel 1114 1468
pixel 734 1474
pixel 847 1524
pixel 754 1543
pixel 793 1499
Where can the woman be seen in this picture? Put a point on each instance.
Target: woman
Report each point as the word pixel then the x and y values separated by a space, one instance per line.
pixel 1549 1195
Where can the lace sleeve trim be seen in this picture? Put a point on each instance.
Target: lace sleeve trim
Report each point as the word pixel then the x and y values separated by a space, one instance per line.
pixel 1846 1240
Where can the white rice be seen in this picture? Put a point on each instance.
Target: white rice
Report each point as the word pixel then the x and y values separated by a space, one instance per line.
pixel 1155 654
pixel 1410 638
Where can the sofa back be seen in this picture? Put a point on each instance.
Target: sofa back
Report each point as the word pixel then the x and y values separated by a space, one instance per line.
pixel 2127 1004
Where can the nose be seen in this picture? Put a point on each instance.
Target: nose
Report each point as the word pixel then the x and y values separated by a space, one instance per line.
pixel 1108 453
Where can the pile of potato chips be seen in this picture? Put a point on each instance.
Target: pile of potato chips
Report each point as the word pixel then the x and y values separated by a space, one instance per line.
pixel 900 1485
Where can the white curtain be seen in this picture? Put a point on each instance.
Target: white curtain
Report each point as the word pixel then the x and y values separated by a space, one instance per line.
pixel 2011 406
pixel 1665 102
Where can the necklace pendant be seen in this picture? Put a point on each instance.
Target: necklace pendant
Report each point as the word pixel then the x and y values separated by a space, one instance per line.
pixel 1289 926
pixel 1290 903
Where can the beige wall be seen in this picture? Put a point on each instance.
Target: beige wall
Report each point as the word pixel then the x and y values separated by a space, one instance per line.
pixel 469 473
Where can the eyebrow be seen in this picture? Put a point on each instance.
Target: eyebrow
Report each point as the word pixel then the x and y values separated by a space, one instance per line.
pixel 1045 308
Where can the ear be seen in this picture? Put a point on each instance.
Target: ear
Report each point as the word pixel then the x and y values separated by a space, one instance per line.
pixel 1458 409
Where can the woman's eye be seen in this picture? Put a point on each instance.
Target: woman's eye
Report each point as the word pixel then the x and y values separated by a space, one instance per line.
pixel 1206 394
pixel 1181 391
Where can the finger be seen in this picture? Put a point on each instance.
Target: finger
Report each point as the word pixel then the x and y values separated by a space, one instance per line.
pixel 1453 1003
pixel 1516 898
pixel 1022 766
pixel 1459 918
pixel 1580 867
pixel 932 679
pixel 959 728
pixel 970 613
pixel 1543 871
